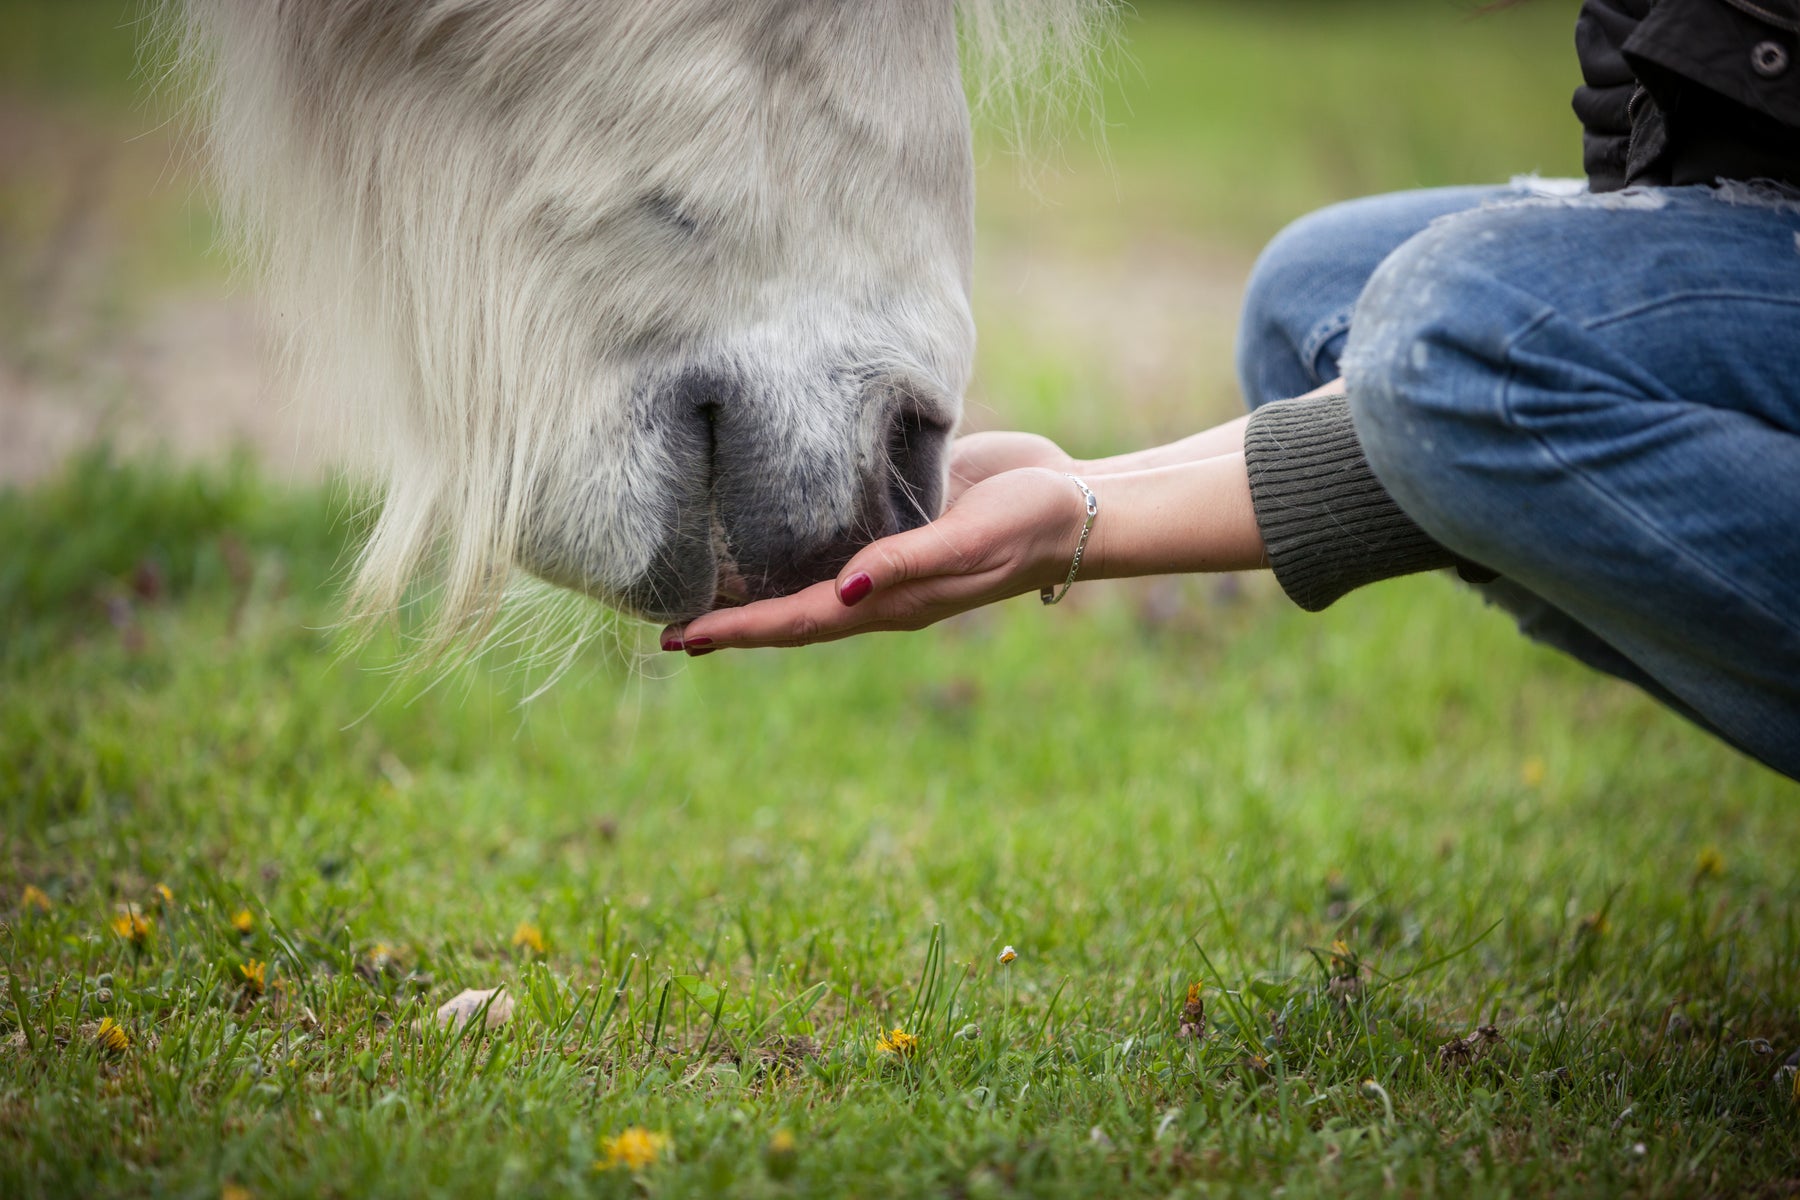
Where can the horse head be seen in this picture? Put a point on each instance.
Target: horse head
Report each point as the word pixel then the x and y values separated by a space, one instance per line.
pixel 663 301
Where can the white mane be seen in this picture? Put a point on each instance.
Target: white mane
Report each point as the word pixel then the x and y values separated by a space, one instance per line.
pixel 1028 58
pixel 463 276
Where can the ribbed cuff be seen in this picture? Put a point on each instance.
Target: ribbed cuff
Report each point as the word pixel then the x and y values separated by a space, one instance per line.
pixel 1329 525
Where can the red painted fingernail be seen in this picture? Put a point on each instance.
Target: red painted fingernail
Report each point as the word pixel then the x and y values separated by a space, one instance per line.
pixel 671 640
pixel 856 589
pixel 696 646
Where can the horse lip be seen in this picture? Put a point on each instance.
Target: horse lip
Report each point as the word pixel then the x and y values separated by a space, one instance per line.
pixel 731 588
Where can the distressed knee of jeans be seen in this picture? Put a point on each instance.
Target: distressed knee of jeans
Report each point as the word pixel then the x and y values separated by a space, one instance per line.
pixel 1759 193
pixel 1388 357
pixel 1401 442
pixel 1406 403
pixel 1420 461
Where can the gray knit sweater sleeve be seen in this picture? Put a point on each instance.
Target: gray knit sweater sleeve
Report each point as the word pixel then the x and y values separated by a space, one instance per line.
pixel 1329 525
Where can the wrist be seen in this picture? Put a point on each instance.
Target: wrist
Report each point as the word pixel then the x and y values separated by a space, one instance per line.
pixel 1059 514
pixel 1188 518
pixel 1054 591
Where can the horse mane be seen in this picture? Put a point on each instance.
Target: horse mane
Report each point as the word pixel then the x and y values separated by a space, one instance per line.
pixel 1028 60
pixel 1024 60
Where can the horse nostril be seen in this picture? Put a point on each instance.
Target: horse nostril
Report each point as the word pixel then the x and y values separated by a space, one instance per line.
pixel 915 451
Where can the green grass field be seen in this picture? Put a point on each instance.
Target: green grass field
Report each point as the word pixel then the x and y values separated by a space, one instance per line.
pixel 710 889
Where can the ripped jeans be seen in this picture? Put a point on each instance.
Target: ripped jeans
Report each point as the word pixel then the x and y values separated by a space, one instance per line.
pixel 1596 396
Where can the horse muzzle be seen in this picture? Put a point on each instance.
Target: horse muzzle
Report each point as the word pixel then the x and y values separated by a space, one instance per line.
pixel 771 488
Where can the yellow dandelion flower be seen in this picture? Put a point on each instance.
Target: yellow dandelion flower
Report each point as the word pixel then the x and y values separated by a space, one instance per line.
pixel 1532 772
pixel 232 1191
pixel 898 1043
pixel 111 1036
pixel 254 973
pixel 634 1149
pixel 780 1154
pixel 1710 864
pixel 243 922
pixel 529 937
pixel 1007 955
pixel 1344 964
pixel 164 894
pixel 133 926
pixel 34 897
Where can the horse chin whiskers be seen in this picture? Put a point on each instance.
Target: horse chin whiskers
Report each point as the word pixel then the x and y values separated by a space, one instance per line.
pixel 733 588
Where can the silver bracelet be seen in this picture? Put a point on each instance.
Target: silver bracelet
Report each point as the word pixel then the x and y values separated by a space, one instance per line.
pixel 1050 595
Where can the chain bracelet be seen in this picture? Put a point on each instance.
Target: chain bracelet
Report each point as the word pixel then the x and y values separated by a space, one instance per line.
pixel 1050 595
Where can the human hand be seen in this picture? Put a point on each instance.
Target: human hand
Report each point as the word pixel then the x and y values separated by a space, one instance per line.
pixel 981 456
pixel 1010 533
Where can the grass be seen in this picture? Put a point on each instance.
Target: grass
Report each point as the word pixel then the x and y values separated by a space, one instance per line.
pixel 775 859
pixel 743 872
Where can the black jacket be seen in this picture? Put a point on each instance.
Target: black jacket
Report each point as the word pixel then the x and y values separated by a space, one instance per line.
pixel 1689 91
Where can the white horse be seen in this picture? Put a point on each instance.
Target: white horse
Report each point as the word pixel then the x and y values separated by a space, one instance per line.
pixel 665 301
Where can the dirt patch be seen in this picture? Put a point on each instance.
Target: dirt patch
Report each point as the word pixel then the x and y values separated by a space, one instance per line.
pixel 189 381
pixel 114 324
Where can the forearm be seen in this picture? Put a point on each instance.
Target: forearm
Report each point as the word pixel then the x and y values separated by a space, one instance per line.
pixel 1220 439
pixel 1188 517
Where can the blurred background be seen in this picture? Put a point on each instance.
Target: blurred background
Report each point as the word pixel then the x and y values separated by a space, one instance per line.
pixel 1111 264
pixel 1113 276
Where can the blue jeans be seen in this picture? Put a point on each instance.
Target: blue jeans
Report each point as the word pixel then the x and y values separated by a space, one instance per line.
pixel 1597 397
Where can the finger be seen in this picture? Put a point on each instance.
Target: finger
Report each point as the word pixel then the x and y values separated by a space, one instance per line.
pixel 816 615
pixel 809 615
pixel 972 461
pixel 922 553
pixel 962 478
